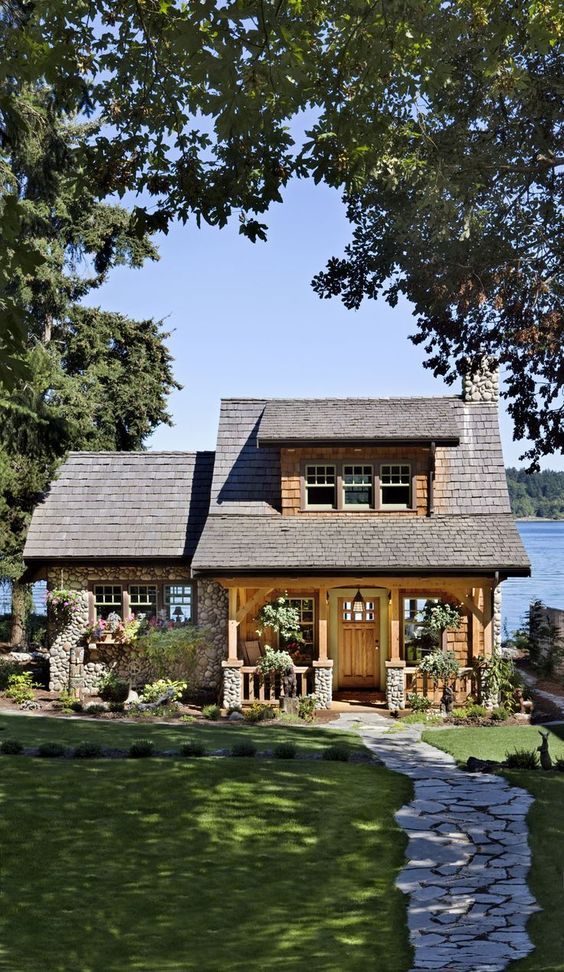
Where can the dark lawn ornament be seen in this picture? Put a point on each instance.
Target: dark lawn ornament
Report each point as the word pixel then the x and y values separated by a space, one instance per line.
pixel 545 757
pixel 447 699
pixel 289 683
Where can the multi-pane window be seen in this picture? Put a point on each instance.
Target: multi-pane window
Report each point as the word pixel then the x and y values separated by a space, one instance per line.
pixel 354 611
pixel 107 599
pixel 320 486
pixel 357 486
pixel 306 609
pixel 418 640
pixel 143 599
pixel 178 602
pixel 395 486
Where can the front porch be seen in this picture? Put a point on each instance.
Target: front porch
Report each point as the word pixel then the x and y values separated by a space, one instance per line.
pixel 370 650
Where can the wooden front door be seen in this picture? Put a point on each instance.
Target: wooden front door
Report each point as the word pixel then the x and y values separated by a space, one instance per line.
pixel 359 645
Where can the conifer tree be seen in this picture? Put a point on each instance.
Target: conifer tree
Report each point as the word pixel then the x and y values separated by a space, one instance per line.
pixel 89 379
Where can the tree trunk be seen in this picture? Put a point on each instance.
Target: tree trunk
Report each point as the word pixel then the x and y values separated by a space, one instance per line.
pixel 19 611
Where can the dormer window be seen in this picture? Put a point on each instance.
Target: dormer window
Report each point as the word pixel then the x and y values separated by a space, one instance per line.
pixel 358 486
pixel 320 487
pixel 395 487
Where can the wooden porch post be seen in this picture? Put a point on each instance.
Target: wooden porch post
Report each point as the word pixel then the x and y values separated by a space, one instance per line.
pixel 394 608
pixel 488 622
pixel 232 625
pixel 475 622
pixel 322 624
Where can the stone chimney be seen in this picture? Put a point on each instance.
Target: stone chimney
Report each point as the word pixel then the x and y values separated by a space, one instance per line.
pixel 483 384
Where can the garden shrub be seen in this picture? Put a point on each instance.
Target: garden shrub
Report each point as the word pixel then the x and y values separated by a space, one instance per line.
pixel 11 747
pixel 500 714
pixel 69 702
pixel 87 750
pixel 117 707
pixel 287 750
pixel 258 712
pixel 113 688
pixel 95 709
pixel 522 759
pixel 51 750
pixel 7 668
pixel 476 711
pixel 306 707
pixel 244 748
pixel 21 687
pixel 212 712
pixel 193 748
pixel 173 652
pixel 559 765
pixel 141 749
pixel 338 754
pixel 418 703
pixel 155 690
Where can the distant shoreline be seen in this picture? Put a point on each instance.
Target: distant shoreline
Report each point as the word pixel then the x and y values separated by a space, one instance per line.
pixel 538 519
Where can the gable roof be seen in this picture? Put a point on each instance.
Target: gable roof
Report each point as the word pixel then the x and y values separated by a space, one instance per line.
pixel 472 528
pixel 298 421
pixel 123 504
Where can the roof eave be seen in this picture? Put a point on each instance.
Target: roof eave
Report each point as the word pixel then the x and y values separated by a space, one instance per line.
pixel 506 571
pixel 289 442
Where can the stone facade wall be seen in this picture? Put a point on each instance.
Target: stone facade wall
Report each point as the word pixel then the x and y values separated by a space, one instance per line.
pixel 483 386
pixel 64 644
pixel 497 604
pixel 91 664
pixel 291 462
pixel 212 607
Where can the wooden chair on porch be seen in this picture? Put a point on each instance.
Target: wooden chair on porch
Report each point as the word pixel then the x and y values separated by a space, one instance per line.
pixel 252 652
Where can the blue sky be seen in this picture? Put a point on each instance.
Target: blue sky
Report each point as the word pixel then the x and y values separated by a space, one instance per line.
pixel 246 322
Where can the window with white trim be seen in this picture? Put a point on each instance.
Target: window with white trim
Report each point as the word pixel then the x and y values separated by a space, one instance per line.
pixel 395 486
pixel 107 599
pixel 143 599
pixel 320 486
pixel 358 486
pixel 418 640
pixel 178 602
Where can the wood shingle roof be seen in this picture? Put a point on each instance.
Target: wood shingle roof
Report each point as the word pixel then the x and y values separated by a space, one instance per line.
pixel 109 505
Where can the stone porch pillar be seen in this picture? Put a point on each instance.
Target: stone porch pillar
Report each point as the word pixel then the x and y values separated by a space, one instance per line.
pixel 395 684
pixel 323 682
pixel 232 689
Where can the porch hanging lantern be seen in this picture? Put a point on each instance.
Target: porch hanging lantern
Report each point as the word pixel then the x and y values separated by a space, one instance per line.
pixel 358 603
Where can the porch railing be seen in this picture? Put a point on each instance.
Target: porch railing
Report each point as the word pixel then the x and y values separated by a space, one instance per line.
pixel 465 685
pixel 254 689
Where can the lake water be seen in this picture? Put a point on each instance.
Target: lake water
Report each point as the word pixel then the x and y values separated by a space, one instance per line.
pixel 544 543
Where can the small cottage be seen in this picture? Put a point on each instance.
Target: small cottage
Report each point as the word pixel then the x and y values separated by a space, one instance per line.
pixel 360 511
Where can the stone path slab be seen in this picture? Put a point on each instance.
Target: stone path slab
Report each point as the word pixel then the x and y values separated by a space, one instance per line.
pixel 467 857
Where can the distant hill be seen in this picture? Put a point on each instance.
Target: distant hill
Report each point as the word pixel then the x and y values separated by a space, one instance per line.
pixel 536 494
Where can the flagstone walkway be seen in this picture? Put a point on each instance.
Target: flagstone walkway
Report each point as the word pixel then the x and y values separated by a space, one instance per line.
pixel 467 856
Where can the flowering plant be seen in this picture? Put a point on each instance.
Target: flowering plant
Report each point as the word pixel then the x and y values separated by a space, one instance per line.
pixel 65 604
pixel 123 632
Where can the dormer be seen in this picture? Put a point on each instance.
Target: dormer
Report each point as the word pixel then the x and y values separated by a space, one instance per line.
pixel 358 456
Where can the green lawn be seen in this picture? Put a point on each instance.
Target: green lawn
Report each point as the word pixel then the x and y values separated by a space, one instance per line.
pixel 546 828
pixel 155 866
pixel 33 730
